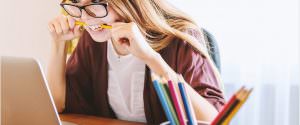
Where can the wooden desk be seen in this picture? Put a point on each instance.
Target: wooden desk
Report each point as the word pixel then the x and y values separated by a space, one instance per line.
pixel 93 120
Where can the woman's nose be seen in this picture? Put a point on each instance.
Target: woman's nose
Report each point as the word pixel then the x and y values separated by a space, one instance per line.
pixel 85 15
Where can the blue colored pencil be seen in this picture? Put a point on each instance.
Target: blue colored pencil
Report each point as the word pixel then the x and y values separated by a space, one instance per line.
pixel 163 102
pixel 188 107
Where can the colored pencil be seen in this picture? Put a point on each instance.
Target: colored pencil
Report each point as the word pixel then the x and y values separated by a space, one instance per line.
pixel 225 108
pixel 176 102
pixel 187 105
pixel 169 101
pixel 163 101
pixel 231 115
pixel 231 107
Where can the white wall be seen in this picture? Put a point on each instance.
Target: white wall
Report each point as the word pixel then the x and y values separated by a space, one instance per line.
pixel 259 45
pixel 251 33
pixel 23 27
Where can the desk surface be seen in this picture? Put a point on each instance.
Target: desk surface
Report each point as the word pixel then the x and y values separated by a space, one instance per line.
pixel 93 120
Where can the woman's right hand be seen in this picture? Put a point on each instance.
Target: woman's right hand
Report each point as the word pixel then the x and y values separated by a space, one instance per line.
pixel 63 28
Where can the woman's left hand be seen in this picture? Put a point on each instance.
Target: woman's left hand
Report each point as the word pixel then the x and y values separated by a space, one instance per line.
pixel 131 38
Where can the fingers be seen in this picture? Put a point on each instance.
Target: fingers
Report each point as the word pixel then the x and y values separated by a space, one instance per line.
pixel 51 29
pixel 123 32
pixel 63 21
pixel 117 24
pixel 57 27
pixel 130 26
pixel 63 24
pixel 63 28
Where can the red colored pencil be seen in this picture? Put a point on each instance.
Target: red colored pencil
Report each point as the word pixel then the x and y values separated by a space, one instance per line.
pixel 176 102
pixel 226 108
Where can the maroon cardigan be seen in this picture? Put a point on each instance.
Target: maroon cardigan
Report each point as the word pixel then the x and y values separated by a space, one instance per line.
pixel 87 79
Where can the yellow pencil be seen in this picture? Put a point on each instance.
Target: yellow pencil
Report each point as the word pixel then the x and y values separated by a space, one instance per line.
pixel 104 26
pixel 80 23
pixel 236 109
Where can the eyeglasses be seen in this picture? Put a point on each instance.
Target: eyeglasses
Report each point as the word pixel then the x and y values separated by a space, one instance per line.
pixel 96 10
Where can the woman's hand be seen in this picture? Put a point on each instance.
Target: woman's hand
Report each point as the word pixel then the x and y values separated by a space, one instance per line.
pixel 131 38
pixel 63 28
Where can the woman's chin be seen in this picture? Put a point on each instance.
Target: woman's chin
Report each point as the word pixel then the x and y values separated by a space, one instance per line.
pixel 99 36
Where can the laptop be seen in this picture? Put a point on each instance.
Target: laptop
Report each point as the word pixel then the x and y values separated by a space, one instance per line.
pixel 25 95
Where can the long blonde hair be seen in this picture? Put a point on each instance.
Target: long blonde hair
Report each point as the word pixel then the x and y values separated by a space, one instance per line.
pixel 161 23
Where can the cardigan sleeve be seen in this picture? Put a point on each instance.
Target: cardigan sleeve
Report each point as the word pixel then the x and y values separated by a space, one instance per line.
pixel 198 72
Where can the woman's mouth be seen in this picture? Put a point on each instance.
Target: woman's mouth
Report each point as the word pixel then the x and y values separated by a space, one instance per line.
pixel 95 27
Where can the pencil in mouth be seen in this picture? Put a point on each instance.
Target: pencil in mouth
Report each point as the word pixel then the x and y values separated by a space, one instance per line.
pixel 94 27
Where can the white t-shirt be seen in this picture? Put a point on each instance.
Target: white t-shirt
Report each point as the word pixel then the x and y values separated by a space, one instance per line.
pixel 126 85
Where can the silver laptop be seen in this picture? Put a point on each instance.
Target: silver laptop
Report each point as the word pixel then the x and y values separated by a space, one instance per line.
pixel 25 95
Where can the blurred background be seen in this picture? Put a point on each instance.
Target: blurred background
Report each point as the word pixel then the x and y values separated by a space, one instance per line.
pixel 258 42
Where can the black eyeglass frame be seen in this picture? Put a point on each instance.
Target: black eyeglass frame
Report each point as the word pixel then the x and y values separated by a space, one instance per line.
pixel 83 8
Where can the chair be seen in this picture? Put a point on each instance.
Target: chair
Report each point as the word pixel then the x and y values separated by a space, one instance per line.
pixel 213 48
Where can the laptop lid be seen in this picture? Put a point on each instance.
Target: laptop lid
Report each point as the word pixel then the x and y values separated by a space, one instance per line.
pixel 26 98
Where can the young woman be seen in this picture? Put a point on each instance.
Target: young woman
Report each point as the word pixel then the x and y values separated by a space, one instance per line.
pixel 109 77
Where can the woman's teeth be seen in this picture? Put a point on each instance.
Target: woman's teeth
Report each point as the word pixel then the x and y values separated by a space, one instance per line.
pixel 95 27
